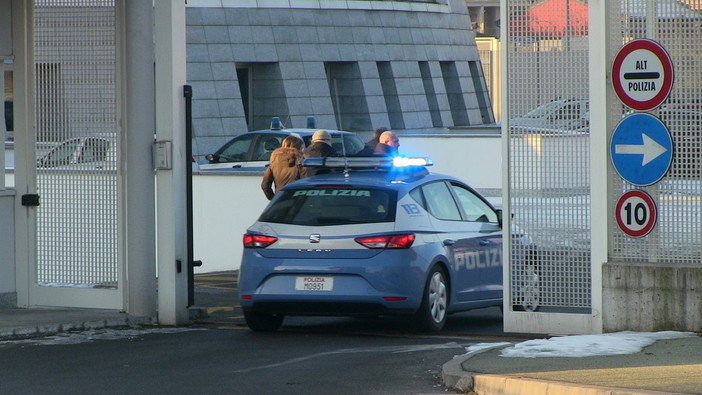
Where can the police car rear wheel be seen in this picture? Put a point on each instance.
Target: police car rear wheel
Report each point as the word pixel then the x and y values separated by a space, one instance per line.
pixel 431 315
pixel 263 322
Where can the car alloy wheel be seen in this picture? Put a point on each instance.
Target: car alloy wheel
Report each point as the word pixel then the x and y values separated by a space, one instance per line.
pixel 431 315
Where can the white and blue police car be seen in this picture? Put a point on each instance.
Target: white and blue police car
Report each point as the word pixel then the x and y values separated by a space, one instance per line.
pixel 373 236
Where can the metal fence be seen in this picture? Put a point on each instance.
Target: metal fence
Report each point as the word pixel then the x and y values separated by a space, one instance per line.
pixel 549 185
pixel 76 97
pixel 677 27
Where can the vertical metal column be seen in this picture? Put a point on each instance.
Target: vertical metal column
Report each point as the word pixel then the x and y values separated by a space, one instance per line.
pixel 139 136
pixel 600 209
pixel 171 179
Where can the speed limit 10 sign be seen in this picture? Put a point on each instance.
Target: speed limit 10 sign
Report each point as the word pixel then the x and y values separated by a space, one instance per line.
pixel 636 213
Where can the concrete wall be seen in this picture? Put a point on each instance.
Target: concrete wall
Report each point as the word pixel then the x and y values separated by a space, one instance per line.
pixel 8 294
pixel 651 297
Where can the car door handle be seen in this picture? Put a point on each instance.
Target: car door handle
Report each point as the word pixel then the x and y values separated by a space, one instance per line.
pixel 236 167
pixel 449 242
pixel 483 242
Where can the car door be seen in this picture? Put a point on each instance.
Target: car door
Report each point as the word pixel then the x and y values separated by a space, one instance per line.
pixel 487 282
pixel 472 238
pixel 233 155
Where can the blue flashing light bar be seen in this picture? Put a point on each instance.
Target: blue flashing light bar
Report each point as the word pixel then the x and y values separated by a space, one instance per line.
pixel 370 162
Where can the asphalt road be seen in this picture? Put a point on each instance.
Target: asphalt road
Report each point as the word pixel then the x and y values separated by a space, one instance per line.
pixel 219 354
pixel 217 294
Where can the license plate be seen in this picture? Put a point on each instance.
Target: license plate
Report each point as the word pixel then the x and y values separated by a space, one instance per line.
pixel 314 283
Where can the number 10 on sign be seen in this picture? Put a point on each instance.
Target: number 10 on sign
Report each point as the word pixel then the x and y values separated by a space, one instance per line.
pixel 636 213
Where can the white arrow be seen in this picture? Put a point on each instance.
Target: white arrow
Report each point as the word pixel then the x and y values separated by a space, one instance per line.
pixel 650 149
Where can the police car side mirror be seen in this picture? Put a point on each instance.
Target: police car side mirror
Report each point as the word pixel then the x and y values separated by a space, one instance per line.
pixel 210 158
pixel 499 217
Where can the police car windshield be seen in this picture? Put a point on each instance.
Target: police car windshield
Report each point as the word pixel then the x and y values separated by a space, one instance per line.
pixel 331 206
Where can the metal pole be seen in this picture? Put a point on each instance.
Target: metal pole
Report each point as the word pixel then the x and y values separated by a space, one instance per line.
pixel 188 93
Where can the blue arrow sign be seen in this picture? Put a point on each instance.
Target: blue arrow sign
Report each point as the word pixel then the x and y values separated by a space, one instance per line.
pixel 641 149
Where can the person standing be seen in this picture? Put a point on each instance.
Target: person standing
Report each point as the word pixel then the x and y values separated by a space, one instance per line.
pixel 320 148
pixel 388 144
pixel 373 142
pixel 285 166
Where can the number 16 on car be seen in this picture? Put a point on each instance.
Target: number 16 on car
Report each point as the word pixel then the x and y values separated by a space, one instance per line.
pixel 636 213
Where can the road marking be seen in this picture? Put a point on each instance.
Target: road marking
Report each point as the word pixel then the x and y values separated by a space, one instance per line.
pixel 391 349
pixel 215 309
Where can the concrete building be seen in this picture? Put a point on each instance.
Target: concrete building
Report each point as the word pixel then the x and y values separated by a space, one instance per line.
pixel 353 65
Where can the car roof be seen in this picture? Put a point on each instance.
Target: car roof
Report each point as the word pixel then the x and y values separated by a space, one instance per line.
pixel 301 132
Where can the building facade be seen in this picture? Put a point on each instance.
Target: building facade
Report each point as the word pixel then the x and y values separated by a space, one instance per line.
pixel 353 65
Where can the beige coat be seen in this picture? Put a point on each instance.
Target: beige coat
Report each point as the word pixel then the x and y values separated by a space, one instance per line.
pixel 285 166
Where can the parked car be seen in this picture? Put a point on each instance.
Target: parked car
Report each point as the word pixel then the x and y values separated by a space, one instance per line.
pixel 558 116
pixel 252 150
pixel 372 238
pixel 86 152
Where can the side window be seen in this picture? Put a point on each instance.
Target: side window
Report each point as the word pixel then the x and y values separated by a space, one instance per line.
pixel 62 154
pixel 94 150
pixel 439 201
pixel 475 209
pixel 418 197
pixel 265 145
pixel 238 150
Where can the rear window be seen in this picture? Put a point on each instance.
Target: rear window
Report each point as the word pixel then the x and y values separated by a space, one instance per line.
pixel 331 206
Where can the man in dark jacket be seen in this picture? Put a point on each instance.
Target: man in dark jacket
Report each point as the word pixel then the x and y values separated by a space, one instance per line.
pixel 320 148
pixel 370 144
pixel 388 144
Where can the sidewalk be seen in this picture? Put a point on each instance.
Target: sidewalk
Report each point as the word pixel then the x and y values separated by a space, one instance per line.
pixel 19 323
pixel 665 367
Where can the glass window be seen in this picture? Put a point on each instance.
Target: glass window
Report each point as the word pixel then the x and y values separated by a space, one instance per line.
pixel 474 207
pixel 265 146
pixel 94 150
pixel 236 150
pixel 439 201
pixel 331 206
pixel 61 155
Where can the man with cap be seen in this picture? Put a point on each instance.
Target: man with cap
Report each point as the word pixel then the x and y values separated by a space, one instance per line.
pixel 320 148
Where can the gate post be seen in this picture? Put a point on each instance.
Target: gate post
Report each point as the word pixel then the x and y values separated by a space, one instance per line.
pixel 173 257
pixel 138 137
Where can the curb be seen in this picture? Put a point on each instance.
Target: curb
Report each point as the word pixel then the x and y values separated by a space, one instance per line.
pixel 24 332
pixel 453 376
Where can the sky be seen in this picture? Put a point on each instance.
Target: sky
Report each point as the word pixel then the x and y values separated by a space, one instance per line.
pixel 580 345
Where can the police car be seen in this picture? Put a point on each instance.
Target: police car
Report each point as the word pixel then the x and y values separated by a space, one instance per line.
pixel 373 236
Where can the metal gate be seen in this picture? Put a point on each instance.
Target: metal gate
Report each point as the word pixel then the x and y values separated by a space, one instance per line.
pixel 79 260
pixel 548 166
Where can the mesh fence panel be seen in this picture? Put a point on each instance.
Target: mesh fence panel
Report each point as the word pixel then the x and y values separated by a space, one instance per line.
pixel 549 154
pixel 77 135
pixel 677 27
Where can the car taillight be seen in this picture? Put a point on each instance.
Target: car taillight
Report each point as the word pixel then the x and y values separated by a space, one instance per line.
pixel 387 241
pixel 258 241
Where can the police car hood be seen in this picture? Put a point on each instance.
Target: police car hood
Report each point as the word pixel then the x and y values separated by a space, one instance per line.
pixel 319 242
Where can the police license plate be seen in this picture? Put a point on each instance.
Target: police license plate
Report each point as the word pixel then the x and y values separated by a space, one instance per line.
pixel 314 283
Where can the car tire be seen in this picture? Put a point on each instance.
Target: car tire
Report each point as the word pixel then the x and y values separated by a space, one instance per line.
pixel 432 313
pixel 531 289
pixel 263 322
